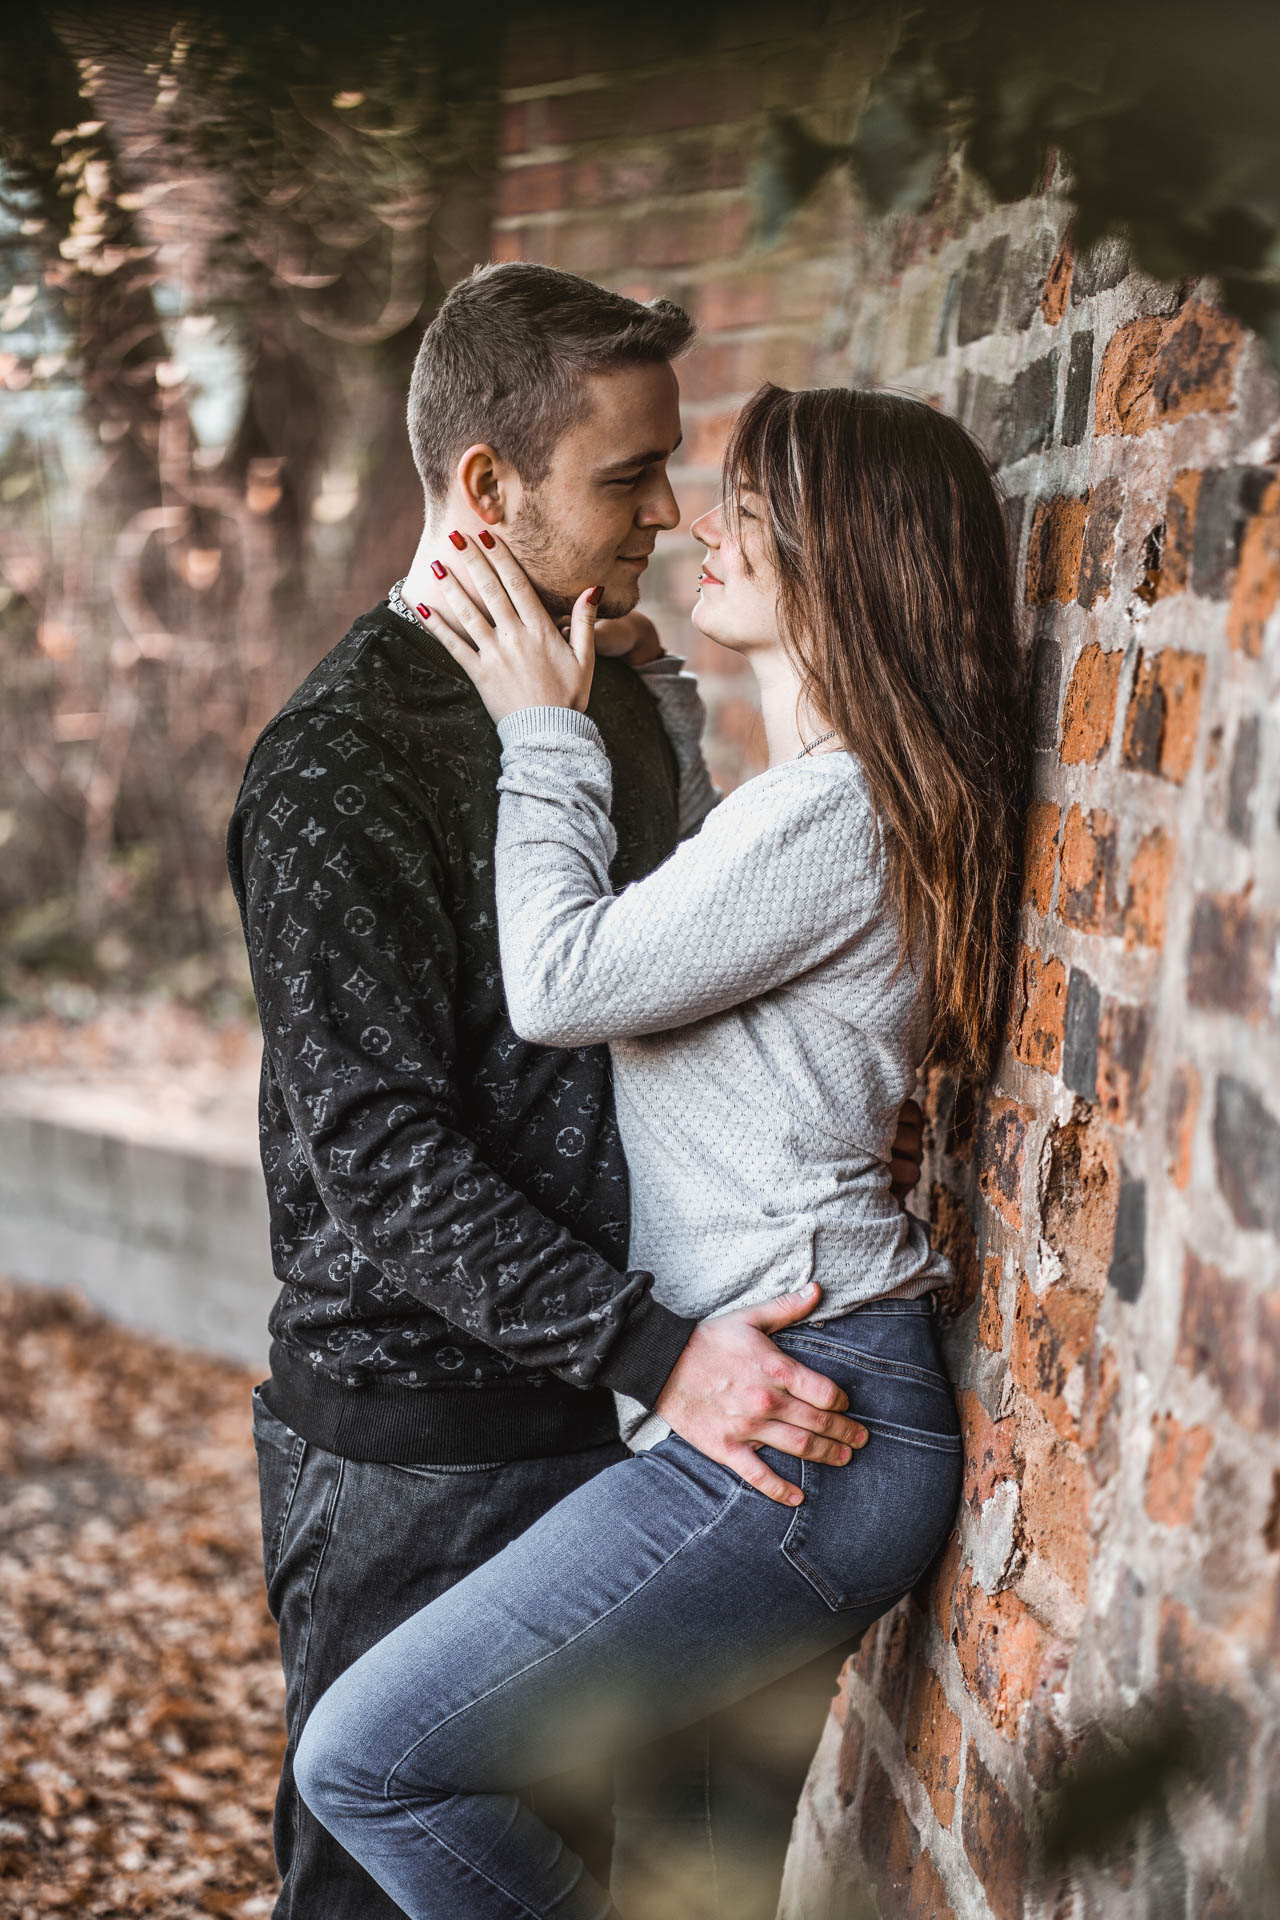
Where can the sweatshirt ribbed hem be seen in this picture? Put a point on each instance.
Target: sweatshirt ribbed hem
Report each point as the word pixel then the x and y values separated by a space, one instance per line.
pixel 445 1426
pixel 547 723
pixel 641 1358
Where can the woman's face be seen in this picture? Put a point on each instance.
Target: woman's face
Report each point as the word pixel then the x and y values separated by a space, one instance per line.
pixel 735 608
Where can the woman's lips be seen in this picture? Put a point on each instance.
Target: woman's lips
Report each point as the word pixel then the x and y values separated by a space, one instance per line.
pixel 708 579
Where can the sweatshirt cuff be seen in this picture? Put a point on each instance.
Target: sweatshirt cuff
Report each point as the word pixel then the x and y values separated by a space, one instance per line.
pixel 640 1361
pixel 667 666
pixel 547 723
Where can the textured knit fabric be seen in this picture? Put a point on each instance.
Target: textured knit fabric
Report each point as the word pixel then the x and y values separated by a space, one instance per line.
pixel 763 1032
pixel 448 1203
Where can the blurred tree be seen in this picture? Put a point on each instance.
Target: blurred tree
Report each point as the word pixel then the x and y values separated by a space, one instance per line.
pixel 240 219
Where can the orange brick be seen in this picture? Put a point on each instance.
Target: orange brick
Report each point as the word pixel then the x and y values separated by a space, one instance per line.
pixel 1003 1127
pixel 1041 855
pixel 537 189
pixel 1257 587
pixel 1052 1334
pixel 990 1322
pixel 1123 1034
pixel 939 1585
pixel 1144 912
pixel 1057 286
pixel 1001 1647
pixel 1196 364
pixel 1086 895
pixel 1174 1469
pixel 1039 1009
pixel 1180 1123
pixel 1163 720
pixel 1055 1509
pixel 926 1893
pixel 1089 711
pixel 1055 545
pixel 932 1739
pixel 995 1839
pixel 988 1448
pixel 1125 379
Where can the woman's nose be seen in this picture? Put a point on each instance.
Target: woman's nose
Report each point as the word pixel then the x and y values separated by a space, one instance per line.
pixel 706 528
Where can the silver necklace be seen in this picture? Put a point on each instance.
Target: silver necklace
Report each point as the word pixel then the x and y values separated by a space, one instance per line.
pixel 398 604
pixel 820 741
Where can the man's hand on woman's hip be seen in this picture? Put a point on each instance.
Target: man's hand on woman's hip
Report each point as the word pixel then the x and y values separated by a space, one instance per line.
pixel 732 1390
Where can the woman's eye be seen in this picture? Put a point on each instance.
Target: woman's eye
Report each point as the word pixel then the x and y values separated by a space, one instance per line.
pixel 745 513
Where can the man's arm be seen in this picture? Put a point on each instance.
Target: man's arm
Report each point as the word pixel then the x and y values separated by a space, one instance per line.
pixel 354 962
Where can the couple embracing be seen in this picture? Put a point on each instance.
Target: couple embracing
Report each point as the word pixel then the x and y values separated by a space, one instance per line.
pixel 605 1401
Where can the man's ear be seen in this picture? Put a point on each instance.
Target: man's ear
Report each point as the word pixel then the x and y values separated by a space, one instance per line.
pixel 485 481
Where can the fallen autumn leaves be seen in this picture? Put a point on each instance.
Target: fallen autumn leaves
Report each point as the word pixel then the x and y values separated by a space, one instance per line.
pixel 141 1701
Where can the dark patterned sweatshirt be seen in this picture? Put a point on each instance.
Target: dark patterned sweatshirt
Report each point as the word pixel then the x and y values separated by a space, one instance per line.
pixel 448 1203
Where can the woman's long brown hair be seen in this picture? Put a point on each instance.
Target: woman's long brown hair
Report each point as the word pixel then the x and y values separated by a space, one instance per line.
pixel 895 601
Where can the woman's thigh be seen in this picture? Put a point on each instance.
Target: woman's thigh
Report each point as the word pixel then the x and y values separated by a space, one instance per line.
pixel 648 1598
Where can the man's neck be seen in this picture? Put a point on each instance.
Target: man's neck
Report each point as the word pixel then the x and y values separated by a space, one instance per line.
pixel 419 581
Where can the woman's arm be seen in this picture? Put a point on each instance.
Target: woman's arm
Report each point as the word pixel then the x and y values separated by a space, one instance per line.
pixel 684 719
pixel 781 876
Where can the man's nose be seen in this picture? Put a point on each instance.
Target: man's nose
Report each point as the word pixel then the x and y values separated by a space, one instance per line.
pixel 661 508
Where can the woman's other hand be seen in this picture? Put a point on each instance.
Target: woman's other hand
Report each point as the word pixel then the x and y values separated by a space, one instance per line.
pixel 906 1155
pixel 633 638
pixel 514 653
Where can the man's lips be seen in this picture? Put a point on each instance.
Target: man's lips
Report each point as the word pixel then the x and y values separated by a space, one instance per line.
pixel 636 559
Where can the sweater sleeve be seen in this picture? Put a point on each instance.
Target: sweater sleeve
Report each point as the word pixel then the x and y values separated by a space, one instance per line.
pixel 354 961
pixel 782 876
pixel 684 719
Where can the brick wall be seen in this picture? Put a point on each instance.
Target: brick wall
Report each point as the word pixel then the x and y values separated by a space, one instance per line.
pixel 1112 1199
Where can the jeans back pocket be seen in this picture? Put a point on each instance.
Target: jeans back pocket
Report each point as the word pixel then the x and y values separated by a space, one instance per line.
pixel 867 1531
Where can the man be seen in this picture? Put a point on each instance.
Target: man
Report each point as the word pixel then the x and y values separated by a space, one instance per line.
pixel 449 1204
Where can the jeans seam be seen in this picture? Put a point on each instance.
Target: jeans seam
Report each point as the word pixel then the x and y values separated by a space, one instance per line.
pixel 295 1474
pixel 516 1899
pixel 325 1537
pixel 913 1436
pixel 588 1627
pixel 873 1363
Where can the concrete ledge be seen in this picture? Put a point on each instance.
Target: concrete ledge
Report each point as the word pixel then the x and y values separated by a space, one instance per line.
pixel 168 1238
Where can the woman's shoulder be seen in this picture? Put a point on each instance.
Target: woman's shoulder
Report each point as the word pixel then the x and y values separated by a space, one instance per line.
pixel 827 795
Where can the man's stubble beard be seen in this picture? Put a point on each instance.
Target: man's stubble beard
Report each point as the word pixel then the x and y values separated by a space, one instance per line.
pixel 538 546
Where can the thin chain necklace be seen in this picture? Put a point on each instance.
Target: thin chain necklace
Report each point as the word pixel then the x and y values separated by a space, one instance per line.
pixel 820 741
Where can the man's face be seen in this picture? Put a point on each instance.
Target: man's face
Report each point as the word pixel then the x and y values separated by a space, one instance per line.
pixel 593 520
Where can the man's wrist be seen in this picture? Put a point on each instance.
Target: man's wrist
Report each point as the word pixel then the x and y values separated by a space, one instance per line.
pixel 642 1357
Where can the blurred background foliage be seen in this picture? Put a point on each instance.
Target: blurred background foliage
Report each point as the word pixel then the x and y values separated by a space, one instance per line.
pixel 222 228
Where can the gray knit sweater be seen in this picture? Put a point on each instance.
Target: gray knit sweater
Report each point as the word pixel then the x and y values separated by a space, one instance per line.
pixel 763 1034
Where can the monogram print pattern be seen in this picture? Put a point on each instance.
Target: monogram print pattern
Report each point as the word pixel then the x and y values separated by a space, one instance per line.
pixel 448 1203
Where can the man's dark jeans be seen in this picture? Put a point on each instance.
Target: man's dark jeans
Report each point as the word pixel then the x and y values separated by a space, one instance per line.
pixel 351 1549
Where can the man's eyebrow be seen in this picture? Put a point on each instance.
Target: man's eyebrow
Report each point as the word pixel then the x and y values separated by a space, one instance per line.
pixel 647 459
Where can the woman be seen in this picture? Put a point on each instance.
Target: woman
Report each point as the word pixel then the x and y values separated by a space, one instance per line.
pixel 767 996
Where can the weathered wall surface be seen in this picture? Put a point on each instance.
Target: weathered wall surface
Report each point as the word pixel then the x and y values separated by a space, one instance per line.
pixel 1112 1199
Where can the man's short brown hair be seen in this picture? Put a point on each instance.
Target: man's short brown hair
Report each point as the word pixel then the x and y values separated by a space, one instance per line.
pixel 503 362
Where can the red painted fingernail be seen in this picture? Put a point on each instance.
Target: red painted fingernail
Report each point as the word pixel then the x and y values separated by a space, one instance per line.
pixel 458 541
pixel 486 538
pixel 438 570
pixel 425 611
pixel 593 598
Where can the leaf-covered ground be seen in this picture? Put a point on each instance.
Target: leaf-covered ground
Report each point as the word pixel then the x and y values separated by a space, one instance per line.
pixel 141 1701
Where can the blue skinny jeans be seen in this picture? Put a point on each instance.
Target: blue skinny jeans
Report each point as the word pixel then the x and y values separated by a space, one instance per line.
pixel 658 1592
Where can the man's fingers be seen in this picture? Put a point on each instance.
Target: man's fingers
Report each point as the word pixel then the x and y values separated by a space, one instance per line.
pixel 785 1310
pixel 802 1383
pixel 519 588
pixel 806 1445
pixel 751 1468
pixel 486 585
pixel 841 1427
pixel 583 628
pixel 463 611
